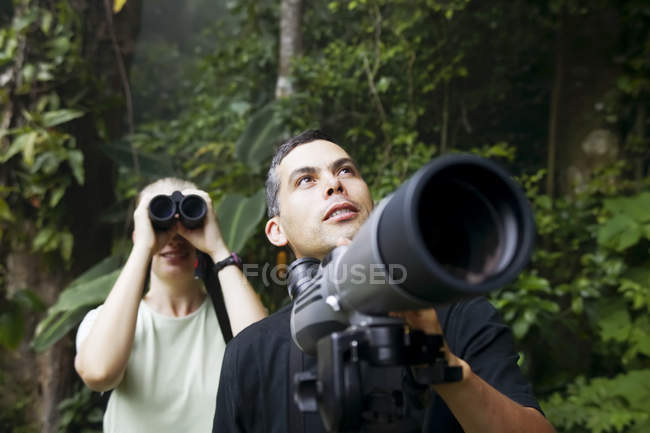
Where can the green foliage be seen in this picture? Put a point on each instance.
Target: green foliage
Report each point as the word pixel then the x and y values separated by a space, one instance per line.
pixel 81 413
pixel 587 289
pixel 12 316
pixel 40 53
pixel 618 404
pixel 239 216
pixel 15 418
pixel 86 291
pixel 211 107
pixel 628 223
pixel 254 146
pixel 148 165
pixel 523 307
pixel 198 144
pixel 397 83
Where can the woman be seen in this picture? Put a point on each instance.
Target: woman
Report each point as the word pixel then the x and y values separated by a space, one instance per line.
pixel 161 354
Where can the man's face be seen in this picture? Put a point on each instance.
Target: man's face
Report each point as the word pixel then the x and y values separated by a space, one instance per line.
pixel 322 199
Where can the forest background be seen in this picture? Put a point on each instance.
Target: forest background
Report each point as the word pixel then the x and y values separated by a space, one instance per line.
pixel 99 98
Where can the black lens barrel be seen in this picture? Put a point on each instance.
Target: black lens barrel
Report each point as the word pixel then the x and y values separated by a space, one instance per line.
pixel 460 224
pixel 191 210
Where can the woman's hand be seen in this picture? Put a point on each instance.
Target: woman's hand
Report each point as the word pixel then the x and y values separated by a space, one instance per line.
pixel 206 238
pixel 144 234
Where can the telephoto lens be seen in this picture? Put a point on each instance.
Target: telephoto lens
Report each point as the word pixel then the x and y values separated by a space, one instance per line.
pixel 161 212
pixel 192 210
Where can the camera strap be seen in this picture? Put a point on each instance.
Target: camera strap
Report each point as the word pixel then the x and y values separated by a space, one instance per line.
pixel 206 272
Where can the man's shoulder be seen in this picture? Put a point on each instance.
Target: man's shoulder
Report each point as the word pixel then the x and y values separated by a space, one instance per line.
pixel 275 326
pixel 475 309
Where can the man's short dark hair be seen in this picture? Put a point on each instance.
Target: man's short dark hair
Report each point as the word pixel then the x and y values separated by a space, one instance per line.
pixel 272 181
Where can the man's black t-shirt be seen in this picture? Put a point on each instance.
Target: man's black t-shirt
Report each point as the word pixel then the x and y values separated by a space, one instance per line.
pixel 254 388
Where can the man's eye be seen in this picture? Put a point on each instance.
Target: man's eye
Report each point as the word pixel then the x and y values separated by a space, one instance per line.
pixel 346 170
pixel 304 180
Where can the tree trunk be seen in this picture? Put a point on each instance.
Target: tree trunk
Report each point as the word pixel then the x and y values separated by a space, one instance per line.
pixel 290 45
pixel 46 377
pixel 639 133
pixel 583 141
pixel 554 105
pixel 444 129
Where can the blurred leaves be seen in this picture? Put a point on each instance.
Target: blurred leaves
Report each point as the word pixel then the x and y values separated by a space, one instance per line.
pixel 627 222
pixel 80 413
pixel 12 316
pixel 86 291
pixel 264 130
pixel 604 404
pixel 391 81
pixel 40 154
pixel 150 165
pixel 239 217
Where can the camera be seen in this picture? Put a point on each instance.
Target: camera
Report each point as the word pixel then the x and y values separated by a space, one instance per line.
pixel 191 210
pixel 460 227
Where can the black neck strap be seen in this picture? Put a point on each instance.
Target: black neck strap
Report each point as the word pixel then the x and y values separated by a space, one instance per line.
pixel 205 270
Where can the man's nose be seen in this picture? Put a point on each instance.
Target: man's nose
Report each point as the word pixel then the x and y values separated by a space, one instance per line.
pixel 334 186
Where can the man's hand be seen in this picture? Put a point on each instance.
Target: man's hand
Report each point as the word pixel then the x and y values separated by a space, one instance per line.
pixel 422 320
pixel 427 322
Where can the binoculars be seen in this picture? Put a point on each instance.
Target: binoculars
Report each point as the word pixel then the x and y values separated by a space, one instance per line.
pixel 191 210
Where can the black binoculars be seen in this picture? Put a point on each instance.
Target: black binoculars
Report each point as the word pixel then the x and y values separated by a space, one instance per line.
pixel 191 210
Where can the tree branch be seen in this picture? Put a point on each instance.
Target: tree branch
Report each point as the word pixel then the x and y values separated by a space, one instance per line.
pixel 555 105
pixel 124 80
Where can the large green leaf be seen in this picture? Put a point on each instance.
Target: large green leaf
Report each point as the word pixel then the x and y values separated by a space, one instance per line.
pixel 614 322
pixel 238 217
pixel 152 166
pixel 620 232
pixel 637 207
pixel 92 292
pixel 57 117
pixel 88 290
pixel 76 161
pixel 22 143
pixel 56 326
pixel 28 300
pixel 263 131
pixel 107 265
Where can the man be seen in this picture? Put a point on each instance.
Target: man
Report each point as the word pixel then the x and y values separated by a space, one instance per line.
pixel 317 200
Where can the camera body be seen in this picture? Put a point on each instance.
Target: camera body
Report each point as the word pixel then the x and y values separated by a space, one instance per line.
pixel 163 208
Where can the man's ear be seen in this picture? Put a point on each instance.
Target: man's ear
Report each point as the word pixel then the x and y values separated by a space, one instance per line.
pixel 274 232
